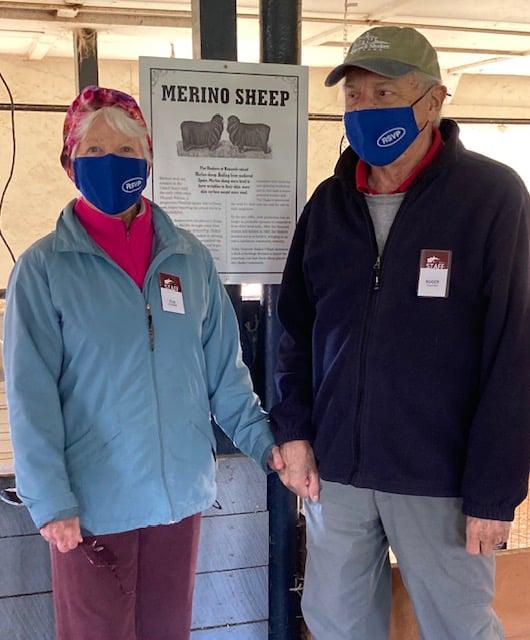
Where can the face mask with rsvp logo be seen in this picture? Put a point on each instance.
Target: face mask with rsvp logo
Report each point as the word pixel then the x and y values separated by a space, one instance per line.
pixel 111 183
pixel 380 136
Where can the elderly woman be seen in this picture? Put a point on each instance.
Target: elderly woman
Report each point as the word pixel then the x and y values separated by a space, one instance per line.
pixel 120 345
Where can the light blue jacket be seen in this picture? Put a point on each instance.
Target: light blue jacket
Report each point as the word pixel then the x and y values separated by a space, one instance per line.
pixel 110 396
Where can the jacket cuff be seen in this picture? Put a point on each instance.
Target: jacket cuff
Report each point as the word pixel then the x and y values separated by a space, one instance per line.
pixel 55 508
pixel 488 511
pixel 265 459
pixel 293 432
pixel 262 449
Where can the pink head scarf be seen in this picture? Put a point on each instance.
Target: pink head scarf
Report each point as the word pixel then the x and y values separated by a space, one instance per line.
pixel 90 99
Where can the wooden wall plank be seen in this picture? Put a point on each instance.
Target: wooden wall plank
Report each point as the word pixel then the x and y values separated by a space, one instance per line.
pixel 25 565
pixel 234 542
pixel 7 481
pixel 6 467
pixel 6 450
pixel 223 598
pixel 234 545
pixel 15 521
pixel 242 487
pixel 230 597
pixel 511 602
pixel 227 543
pixel 252 631
pixel 27 618
pixel 31 618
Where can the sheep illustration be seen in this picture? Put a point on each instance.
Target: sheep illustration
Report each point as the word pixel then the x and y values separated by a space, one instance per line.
pixel 246 136
pixel 202 135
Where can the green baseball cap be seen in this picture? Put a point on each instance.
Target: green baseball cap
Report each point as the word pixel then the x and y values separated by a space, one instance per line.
pixel 390 52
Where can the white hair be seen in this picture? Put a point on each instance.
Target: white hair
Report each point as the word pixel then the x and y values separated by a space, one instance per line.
pixel 426 82
pixel 118 120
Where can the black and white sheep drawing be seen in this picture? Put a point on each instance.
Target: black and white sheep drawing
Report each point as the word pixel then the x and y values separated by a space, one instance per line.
pixel 202 135
pixel 247 136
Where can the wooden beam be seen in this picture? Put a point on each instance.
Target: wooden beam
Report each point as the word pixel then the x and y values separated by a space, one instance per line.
pixel 113 16
pixel 96 16
pixel 40 46
pixel 484 63
pixel 364 22
pixel 321 37
pixel 389 9
pixel 474 51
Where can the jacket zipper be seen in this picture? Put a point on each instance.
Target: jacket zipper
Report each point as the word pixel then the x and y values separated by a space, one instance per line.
pixel 374 288
pixel 377 273
pixel 150 326
pixel 375 285
pixel 151 338
pixel 151 335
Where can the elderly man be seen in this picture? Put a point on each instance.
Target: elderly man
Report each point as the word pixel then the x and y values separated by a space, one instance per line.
pixel 403 372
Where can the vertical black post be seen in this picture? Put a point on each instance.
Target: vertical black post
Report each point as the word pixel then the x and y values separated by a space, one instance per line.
pixel 280 22
pixel 214 24
pixel 86 58
pixel 214 32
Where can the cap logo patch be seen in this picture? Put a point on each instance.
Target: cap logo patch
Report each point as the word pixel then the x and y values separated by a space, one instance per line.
pixel 369 42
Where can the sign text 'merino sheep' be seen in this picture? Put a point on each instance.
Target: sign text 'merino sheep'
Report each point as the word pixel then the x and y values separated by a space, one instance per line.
pixel 222 95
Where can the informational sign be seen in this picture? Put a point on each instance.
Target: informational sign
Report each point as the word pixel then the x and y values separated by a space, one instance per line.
pixel 230 153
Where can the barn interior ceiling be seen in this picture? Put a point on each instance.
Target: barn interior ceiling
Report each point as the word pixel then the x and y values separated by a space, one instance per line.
pixel 487 37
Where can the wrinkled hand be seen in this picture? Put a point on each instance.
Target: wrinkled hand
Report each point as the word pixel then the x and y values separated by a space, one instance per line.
pixel 485 536
pixel 65 534
pixel 299 472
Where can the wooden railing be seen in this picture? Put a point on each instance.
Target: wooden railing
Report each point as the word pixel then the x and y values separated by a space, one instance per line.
pixel 6 452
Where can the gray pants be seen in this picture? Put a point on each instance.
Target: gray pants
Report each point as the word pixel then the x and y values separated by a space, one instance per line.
pixel 347 591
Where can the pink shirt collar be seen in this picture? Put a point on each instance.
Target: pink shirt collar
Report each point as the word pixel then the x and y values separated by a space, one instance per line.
pixel 130 248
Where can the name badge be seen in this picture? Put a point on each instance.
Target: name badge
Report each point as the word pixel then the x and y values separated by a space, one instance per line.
pixel 435 273
pixel 171 293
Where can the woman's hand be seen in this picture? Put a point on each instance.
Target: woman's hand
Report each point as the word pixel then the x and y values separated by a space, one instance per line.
pixel 65 534
pixel 275 460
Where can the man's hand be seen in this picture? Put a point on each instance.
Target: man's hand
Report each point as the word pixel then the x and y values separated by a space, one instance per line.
pixel 65 534
pixel 485 536
pixel 300 473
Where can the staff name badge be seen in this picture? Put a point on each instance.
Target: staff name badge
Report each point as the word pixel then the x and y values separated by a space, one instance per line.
pixel 171 293
pixel 435 273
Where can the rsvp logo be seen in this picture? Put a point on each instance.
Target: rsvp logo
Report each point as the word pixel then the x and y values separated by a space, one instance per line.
pixel 390 137
pixel 132 185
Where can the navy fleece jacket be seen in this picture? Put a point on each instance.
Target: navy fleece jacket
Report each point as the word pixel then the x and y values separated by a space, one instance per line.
pixel 407 394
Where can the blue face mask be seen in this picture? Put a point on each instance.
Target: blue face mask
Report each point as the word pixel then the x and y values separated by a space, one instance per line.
pixel 380 136
pixel 111 183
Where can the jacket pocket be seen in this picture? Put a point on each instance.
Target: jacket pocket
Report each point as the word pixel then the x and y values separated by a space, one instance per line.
pixel 207 433
pixel 88 450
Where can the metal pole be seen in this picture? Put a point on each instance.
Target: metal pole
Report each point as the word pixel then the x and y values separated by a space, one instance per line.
pixel 86 58
pixel 280 22
pixel 214 33
pixel 214 28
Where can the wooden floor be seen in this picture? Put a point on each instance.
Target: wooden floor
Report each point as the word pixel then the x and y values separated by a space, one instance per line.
pixel 231 596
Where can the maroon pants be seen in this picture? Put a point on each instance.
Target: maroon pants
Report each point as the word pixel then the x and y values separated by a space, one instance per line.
pixel 147 596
